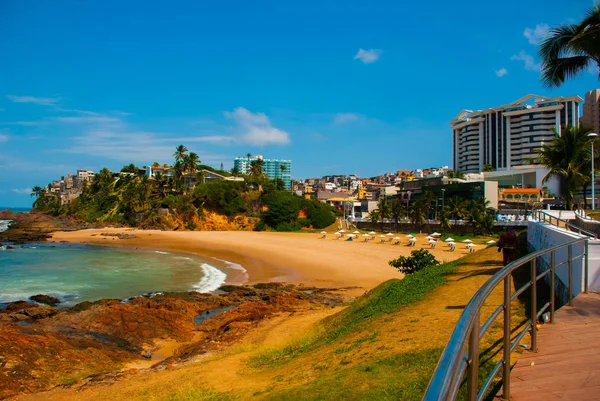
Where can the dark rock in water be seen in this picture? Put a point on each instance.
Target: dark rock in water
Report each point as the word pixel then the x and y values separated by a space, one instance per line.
pixel 19 305
pixel 10 247
pixel 45 299
pixel 146 354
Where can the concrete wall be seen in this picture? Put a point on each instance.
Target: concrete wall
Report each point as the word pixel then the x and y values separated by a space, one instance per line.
pixel 491 193
pixel 542 236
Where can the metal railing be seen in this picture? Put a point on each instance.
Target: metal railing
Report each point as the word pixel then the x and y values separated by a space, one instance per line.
pixel 544 217
pixel 461 354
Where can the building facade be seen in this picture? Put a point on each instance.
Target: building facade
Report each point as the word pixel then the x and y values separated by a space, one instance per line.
pixel 507 136
pixel 591 111
pixel 272 168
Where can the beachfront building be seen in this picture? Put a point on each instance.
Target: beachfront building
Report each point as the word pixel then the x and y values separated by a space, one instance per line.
pixel 591 111
pixel 272 168
pixel 507 136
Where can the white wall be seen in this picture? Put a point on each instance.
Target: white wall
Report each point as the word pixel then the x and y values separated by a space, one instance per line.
pixel 542 236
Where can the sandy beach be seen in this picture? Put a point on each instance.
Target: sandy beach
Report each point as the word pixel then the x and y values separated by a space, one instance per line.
pixel 298 258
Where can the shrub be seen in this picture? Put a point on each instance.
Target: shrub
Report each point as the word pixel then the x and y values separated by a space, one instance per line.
pixel 418 260
pixel 304 222
pixel 260 226
pixel 288 227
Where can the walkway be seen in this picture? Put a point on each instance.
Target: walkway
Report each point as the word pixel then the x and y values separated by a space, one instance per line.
pixel 567 366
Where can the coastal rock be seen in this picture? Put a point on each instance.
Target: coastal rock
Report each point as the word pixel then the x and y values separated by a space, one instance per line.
pixel 45 299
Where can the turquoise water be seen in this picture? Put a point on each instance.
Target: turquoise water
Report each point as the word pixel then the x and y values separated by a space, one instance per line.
pixel 15 209
pixel 76 273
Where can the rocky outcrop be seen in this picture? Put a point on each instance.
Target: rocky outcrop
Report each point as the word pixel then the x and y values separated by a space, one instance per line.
pixel 41 346
pixel 45 299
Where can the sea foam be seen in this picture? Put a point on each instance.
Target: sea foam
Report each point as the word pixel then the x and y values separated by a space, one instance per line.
pixel 213 279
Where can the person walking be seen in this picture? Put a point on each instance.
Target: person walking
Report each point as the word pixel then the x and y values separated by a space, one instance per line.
pixel 508 245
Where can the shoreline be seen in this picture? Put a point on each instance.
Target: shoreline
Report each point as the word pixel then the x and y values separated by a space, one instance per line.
pixel 296 258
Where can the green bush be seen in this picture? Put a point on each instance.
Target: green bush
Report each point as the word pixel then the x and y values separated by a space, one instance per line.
pixel 283 207
pixel 220 196
pixel 320 214
pixel 288 227
pixel 304 222
pixel 418 260
pixel 260 226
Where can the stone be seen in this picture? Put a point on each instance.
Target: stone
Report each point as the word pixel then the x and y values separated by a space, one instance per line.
pixel 45 299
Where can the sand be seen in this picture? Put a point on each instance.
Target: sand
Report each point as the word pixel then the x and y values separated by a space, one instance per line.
pixel 298 258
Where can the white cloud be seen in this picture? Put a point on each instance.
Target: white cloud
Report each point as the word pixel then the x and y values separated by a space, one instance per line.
pixel 536 35
pixel 131 146
pixel 501 72
pixel 90 119
pixel 368 56
pixel 256 128
pixel 46 101
pixel 21 191
pixel 342 118
pixel 223 139
pixel 3 138
pixel 530 63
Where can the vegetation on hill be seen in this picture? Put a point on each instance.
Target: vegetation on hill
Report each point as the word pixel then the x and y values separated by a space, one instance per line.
pixel 182 197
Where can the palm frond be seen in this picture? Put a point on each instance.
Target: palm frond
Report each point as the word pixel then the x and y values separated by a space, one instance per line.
pixel 558 70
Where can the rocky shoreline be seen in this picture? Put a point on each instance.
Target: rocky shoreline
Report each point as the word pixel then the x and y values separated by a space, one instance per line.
pixel 42 347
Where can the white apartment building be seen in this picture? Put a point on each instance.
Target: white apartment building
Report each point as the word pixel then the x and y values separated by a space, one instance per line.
pixel 507 136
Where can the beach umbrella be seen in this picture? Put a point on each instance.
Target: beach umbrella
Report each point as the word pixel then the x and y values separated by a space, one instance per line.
pixel 390 234
pixel 436 234
pixel 342 231
pixel 491 241
pixel 429 237
pixel 409 235
pixel 351 235
pixel 382 236
pixel 397 238
pixel 366 235
pixel 432 241
pixel 337 233
pixel 356 232
pixel 372 233
pixel 469 245
pixel 323 232
pixel 449 239
pixel 467 240
pixel 451 243
pixel 413 234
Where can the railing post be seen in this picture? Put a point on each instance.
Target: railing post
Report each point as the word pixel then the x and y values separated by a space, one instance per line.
pixel 570 272
pixel 473 368
pixel 552 290
pixel 506 367
pixel 587 266
pixel 533 306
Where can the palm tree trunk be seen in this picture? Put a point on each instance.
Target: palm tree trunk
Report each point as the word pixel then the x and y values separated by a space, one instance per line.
pixel 584 188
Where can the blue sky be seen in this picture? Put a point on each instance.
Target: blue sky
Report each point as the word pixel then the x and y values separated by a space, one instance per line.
pixel 338 87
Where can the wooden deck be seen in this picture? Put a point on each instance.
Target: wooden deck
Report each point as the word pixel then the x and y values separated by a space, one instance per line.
pixel 567 364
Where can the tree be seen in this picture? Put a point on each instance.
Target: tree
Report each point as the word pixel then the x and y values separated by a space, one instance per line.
pixel 235 171
pixel 132 168
pixel 282 209
pixel 256 168
pixel 417 213
pixel 180 153
pixel 374 216
pixel 191 162
pixel 37 191
pixel 456 174
pixel 569 50
pixel 156 164
pixel 220 196
pixel 419 259
pixel 456 208
pixel 384 211
pixel 397 211
pixel 488 168
pixel 567 157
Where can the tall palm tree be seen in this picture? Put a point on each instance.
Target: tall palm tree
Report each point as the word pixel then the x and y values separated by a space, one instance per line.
pixel 384 211
pixel 180 153
pixel 248 155
pixel 397 211
pixel 567 157
pixel 417 213
pixel 456 207
pixel 191 162
pixel 37 191
pixel 256 167
pixel 571 49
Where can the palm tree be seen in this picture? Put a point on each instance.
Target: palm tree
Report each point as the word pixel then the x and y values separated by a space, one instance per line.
pixel 456 208
pixel 488 168
pixel 256 167
pixel 397 211
pixel 191 162
pixel 37 191
pixel 567 157
pixel 248 155
pixel 456 174
pixel 180 153
pixel 571 49
pixel 374 216
pixel 417 213
pixel 384 211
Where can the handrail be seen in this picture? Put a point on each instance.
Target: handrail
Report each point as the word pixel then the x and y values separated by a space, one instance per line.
pixel 568 224
pixel 454 362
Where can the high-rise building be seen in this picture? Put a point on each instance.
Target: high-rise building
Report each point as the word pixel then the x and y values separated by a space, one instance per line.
pixel 507 136
pixel 272 168
pixel 591 111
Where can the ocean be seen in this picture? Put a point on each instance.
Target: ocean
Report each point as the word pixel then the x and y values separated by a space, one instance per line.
pixel 15 209
pixel 76 272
